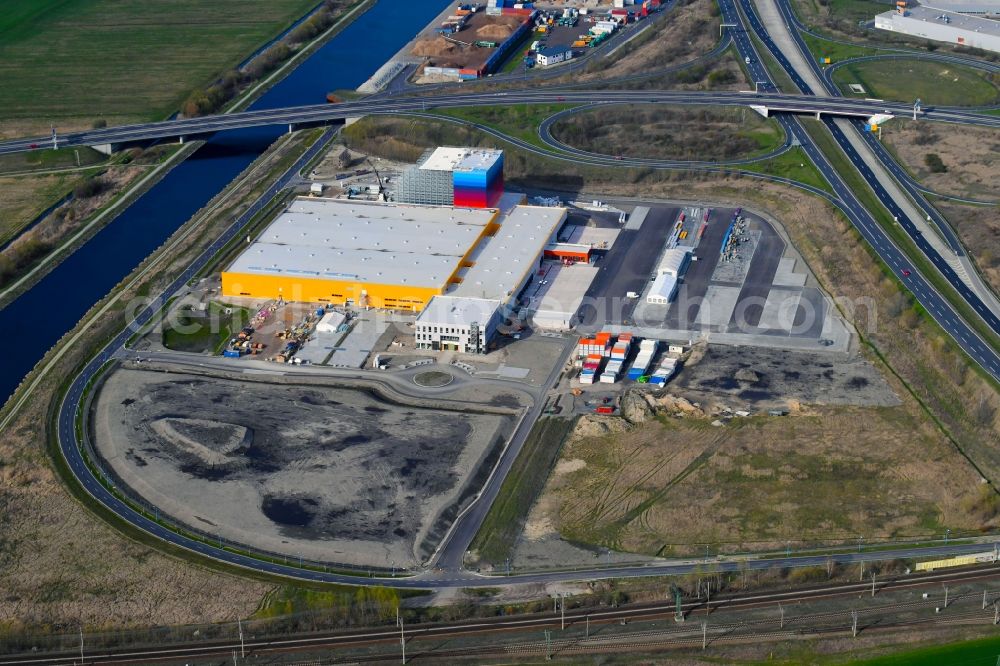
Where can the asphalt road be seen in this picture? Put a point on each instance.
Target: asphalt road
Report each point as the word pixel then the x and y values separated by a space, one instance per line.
pixel 318 114
pixel 934 303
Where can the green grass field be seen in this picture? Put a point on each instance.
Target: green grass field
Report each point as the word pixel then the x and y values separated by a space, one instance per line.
pixel 73 61
pixel 835 51
pixel 204 335
pixel 905 80
pixel 985 651
pixel 518 120
pixel 791 164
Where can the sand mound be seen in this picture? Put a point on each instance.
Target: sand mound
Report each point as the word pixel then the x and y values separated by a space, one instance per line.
pixel 435 46
pixel 495 31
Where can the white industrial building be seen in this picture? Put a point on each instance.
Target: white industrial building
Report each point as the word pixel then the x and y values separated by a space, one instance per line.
pixel 465 318
pixel 554 301
pixel 663 289
pixel 330 322
pixel 943 26
pixel 674 261
pixel 552 55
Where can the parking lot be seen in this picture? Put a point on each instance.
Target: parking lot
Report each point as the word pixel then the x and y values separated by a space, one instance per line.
pixel 759 287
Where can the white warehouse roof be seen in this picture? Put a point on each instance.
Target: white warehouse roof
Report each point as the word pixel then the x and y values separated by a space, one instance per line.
pixel 673 261
pixel 502 262
pixel 985 7
pixel 365 242
pixel 461 159
pixel 457 311
pixel 663 289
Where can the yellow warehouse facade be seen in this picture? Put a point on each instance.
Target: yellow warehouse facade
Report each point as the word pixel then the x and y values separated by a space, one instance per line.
pixel 359 253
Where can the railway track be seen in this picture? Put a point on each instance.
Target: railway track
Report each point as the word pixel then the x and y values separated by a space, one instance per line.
pixel 677 635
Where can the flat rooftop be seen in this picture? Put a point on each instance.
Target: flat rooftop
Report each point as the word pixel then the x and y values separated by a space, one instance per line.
pixel 461 159
pixel 457 311
pixel 564 289
pixel 503 260
pixel 969 6
pixel 955 21
pixel 365 242
pixel 597 237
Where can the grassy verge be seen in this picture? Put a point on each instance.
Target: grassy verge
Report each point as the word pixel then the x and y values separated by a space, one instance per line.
pixel 935 83
pixel 825 142
pixel 197 334
pixel 835 51
pixel 40 160
pixel 983 651
pixel 517 120
pixel 793 164
pixel 503 524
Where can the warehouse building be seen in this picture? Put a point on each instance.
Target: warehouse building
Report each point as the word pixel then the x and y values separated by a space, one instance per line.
pixel 465 177
pixel 939 26
pixel 663 289
pixel 358 253
pixel 552 55
pixel 466 317
pixel 674 261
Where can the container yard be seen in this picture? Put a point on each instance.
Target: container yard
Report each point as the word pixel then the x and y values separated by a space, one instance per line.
pixel 472 44
pixel 474 41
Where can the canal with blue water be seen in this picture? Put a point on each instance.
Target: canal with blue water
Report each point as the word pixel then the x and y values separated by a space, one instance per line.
pixel 34 322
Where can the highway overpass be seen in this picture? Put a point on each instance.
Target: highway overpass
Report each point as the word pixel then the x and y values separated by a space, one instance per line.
pixel 322 114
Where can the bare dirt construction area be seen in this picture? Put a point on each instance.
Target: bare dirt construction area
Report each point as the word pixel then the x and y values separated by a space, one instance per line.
pixel 969 156
pixel 335 475
pixel 774 377
pixel 826 474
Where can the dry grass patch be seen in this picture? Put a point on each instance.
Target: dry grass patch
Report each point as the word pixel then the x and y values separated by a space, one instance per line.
pixel 970 155
pixel 23 198
pixel 831 475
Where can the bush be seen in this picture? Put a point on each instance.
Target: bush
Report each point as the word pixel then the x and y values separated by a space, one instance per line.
pixel 934 163
pixel 100 123
pixel 721 77
pixel 984 504
pixel 90 187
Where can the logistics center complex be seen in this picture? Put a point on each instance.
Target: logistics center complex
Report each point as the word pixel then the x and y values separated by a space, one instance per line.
pixel 460 266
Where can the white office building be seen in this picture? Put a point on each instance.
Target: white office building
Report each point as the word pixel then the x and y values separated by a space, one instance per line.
pixel 466 318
